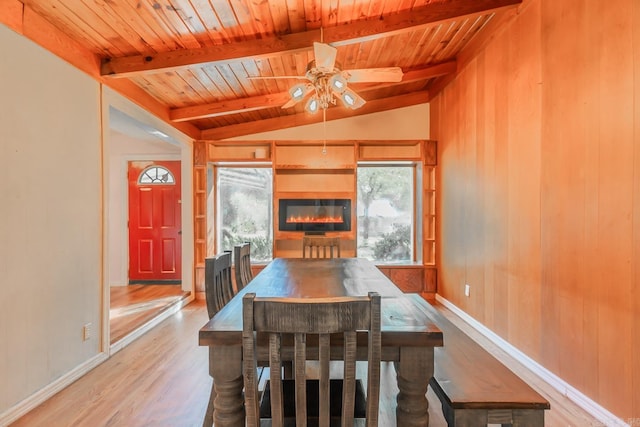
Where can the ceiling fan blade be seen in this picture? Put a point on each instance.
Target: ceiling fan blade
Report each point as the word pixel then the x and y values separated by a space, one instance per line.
pixel 290 103
pixel 388 74
pixel 325 56
pixel 276 77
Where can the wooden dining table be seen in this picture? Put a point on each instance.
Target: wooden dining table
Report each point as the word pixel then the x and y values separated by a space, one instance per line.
pixel 408 333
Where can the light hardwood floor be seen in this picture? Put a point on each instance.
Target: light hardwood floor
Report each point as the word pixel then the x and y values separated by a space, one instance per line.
pixel 133 305
pixel 162 379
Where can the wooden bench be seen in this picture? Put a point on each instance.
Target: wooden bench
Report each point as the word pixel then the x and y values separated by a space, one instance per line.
pixel 476 389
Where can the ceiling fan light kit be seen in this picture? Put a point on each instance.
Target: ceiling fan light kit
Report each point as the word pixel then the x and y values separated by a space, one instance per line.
pixel 313 105
pixel 327 82
pixel 351 99
pixel 338 83
pixel 299 91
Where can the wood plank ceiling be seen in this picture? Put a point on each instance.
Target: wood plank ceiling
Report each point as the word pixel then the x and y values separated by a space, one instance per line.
pixel 196 58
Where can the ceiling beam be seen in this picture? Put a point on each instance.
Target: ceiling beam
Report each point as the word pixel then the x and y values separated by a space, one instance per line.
pixel 244 105
pixel 231 106
pixel 356 32
pixel 301 119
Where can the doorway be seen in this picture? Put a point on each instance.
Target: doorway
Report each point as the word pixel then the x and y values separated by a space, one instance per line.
pixel 140 147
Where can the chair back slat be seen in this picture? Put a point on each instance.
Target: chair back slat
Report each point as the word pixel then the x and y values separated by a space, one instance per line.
pixel 349 386
pixel 373 369
pixel 250 371
pixel 299 362
pixel 275 364
pixel 320 247
pixel 217 282
pixel 242 261
pixel 324 354
pixel 279 317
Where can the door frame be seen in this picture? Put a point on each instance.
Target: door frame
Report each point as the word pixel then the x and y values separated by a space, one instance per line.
pixel 119 185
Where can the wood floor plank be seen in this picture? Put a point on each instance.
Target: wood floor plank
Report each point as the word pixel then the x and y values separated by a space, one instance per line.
pixel 133 305
pixel 162 380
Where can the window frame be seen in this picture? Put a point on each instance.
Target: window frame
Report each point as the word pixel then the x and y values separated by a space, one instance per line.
pixel 416 221
pixel 213 231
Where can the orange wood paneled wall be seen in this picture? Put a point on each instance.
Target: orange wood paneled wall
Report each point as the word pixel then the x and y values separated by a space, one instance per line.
pixel 539 177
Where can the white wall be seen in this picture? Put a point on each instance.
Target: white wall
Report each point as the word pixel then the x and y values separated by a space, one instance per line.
pixel 54 259
pixel 50 218
pixel 402 123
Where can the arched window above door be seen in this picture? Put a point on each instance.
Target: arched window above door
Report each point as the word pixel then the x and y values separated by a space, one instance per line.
pixel 156 175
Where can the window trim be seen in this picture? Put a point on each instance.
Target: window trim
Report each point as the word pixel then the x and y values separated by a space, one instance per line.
pixel 416 223
pixel 213 203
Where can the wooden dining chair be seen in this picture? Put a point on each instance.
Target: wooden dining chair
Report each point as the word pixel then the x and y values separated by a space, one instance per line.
pixel 311 322
pixel 320 247
pixel 218 286
pixel 218 289
pixel 242 261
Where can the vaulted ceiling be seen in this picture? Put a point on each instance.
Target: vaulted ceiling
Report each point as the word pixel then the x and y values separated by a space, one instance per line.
pixel 195 62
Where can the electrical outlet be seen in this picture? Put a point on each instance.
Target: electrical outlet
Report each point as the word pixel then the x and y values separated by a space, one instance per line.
pixel 467 289
pixel 86 332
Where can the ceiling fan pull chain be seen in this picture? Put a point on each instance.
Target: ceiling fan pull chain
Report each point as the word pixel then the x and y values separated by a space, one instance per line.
pixel 324 131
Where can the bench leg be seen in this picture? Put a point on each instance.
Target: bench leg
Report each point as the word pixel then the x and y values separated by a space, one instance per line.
pixel 528 418
pixel 482 417
pixel 470 418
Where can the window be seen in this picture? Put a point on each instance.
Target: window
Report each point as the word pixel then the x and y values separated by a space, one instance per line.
pixel 386 212
pixel 156 175
pixel 244 210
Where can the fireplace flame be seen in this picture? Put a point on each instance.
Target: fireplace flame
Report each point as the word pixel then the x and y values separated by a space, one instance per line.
pixel 314 220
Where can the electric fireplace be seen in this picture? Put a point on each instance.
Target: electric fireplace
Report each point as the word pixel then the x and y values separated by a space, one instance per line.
pixel 315 215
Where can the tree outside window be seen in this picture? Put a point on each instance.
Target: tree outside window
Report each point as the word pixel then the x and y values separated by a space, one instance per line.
pixel 385 212
pixel 244 201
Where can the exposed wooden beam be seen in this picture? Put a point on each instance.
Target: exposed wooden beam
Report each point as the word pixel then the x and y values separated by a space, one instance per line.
pixel 231 106
pixel 139 96
pixel 355 32
pixel 11 16
pixel 302 119
pixel 243 105
pixel 429 72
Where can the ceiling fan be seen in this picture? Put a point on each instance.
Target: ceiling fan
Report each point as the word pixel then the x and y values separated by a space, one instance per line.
pixel 326 82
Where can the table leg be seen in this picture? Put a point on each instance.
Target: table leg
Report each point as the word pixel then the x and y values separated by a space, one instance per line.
pixel 415 368
pixel 226 369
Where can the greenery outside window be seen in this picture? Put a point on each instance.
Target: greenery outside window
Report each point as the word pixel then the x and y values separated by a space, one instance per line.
pixel 387 225
pixel 244 200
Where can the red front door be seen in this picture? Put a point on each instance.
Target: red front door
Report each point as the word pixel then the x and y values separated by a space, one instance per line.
pixel 155 224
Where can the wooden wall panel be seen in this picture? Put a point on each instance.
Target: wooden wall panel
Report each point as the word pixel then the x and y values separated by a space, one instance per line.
pixel 301 181
pixel 615 144
pixel 539 176
pixel 409 279
pixel 523 139
pixel 635 308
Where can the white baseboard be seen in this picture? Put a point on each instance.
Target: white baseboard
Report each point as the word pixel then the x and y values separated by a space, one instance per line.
pixel 564 388
pixel 23 407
